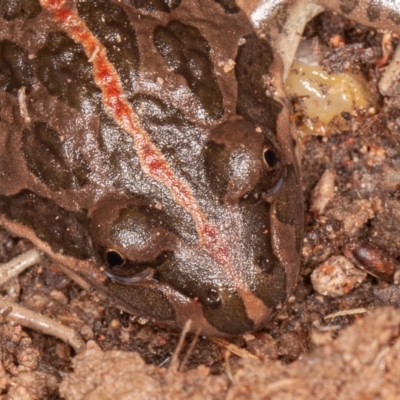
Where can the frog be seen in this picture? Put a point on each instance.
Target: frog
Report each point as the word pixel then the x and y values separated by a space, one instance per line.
pixel 147 147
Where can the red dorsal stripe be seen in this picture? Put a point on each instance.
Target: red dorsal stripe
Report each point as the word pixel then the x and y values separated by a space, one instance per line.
pixel 116 105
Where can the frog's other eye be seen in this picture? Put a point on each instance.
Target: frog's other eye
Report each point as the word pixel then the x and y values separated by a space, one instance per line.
pixel 270 157
pixel 274 172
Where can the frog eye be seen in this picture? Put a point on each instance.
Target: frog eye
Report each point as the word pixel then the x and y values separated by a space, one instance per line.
pixel 122 270
pixel 114 259
pixel 270 157
pixel 274 171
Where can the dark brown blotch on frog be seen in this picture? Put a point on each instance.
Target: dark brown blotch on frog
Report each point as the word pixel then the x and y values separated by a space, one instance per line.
pixel 156 5
pixel 49 158
pixel 187 53
pixel 394 17
pixel 373 11
pixel 66 232
pixel 16 69
pixel 347 6
pixel 145 300
pixel 269 283
pixel 229 6
pixel 289 207
pixel 253 62
pixel 64 69
pixel 28 9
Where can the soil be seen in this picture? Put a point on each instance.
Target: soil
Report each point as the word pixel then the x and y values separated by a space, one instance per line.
pixel 307 350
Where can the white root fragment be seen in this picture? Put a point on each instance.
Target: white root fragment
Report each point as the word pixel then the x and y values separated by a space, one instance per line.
pixel 174 365
pixel 228 368
pixel 28 318
pixel 233 348
pixel 41 323
pixel 353 311
pixel 323 192
pixel 189 353
pixel 18 264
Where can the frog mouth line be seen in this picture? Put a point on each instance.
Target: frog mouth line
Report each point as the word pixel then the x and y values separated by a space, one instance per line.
pixel 117 107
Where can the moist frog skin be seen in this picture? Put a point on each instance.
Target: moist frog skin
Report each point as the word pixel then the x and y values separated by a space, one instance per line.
pixel 147 147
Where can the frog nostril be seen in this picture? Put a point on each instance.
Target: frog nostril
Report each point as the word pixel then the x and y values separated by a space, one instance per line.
pixel 265 264
pixel 114 259
pixel 213 298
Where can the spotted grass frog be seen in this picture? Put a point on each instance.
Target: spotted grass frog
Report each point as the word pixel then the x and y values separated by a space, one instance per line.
pixel 147 147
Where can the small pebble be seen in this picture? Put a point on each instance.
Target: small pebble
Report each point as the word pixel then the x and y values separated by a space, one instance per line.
pixel 353 215
pixel 336 276
pixel 323 192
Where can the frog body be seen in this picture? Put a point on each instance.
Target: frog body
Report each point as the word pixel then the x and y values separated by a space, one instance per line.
pixel 146 145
